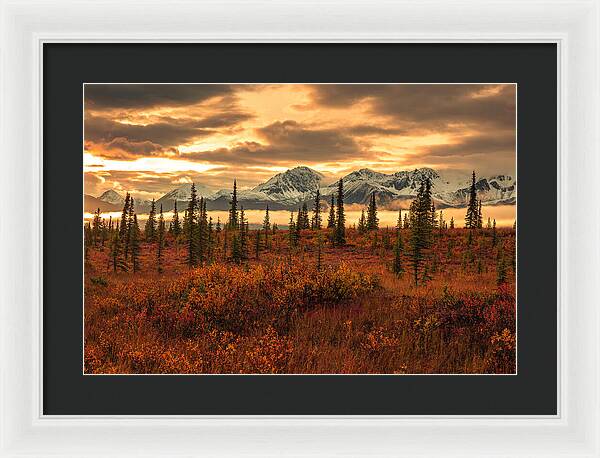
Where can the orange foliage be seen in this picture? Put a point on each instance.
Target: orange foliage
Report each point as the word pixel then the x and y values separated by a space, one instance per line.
pixel 279 314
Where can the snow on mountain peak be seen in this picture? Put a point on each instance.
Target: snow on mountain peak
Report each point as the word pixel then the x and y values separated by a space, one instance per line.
pixel 293 185
pixel 112 197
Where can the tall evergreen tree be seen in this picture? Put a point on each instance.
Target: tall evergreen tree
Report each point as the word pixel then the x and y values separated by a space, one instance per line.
pixel 134 241
pixel 201 232
pixel 303 220
pixel 160 238
pixel 243 224
pixel 267 227
pixel 96 228
pixel 406 221
pixel 340 222
pixel 233 211
pixel 292 232
pixel 372 219
pixel 175 224
pixel 236 252
pixel 190 226
pixel 479 215
pixel 362 223
pixel 471 219
pixel 87 241
pixel 116 253
pixel 331 219
pixel 150 228
pixel 421 228
pixel 399 222
pixel 316 218
pixel 452 222
pixel 123 229
pixel 130 214
pixel 494 234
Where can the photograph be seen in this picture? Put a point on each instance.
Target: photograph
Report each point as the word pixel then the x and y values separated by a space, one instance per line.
pixel 270 228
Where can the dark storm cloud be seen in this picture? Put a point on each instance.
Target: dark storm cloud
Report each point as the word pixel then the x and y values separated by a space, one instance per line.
pixel 127 141
pixel 433 106
pixel 284 142
pixel 126 96
pixel 496 143
pixel 165 134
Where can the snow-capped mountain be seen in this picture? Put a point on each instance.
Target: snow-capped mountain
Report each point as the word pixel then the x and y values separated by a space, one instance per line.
pixel 182 195
pixel 292 186
pixel 289 189
pixel 116 201
pixel 449 189
pixel 112 197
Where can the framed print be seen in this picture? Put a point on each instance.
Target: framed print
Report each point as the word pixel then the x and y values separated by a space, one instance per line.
pixel 267 242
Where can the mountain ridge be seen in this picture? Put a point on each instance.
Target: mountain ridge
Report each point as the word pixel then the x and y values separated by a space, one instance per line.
pixel 287 190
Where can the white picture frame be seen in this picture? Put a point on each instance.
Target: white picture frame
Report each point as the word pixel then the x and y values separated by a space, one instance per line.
pixel 573 25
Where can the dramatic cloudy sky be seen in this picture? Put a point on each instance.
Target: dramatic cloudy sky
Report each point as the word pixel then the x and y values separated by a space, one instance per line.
pixel 149 138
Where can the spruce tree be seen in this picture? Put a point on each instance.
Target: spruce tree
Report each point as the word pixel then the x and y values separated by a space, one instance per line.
pixel 489 223
pixel 210 242
pixel 87 241
pixel 134 240
pixel 267 227
pixel 116 254
pixel 479 216
pixel 406 221
pixel 316 218
pixel 201 232
pixel 243 235
pixel 452 222
pixel 303 220
pixel 362 223
pixel 494 234
pixel 340 222
pixel 236 252
pixel 292 233
pixel 190 226
pixel 399 222
pixel 150 228
pixel 421 228
pixel 233 211
pixel 96 228
pixel 160 237
pixel 123 229
pixel 127 244
pixel 372 219
pixel 130 215
pixel 175 224
pixel 331 219
pixel 471 219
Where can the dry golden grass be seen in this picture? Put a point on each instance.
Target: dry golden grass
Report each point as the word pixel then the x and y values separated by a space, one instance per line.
pixel 278 314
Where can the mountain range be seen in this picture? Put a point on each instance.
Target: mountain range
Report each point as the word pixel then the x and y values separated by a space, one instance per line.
pixel 289 189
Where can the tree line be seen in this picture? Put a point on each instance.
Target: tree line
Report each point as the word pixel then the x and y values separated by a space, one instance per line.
pixel 200 236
